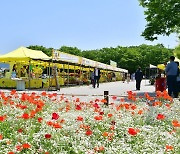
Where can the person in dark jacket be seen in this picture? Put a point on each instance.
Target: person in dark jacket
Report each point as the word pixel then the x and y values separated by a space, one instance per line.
pixel 138 78
pixel 96 77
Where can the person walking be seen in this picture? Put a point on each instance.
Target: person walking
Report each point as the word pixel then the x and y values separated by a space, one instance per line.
pixel 171 75
pixel 178 78
pixel 138 78
pixel 92 78
pixel 128 78
pixel 96 77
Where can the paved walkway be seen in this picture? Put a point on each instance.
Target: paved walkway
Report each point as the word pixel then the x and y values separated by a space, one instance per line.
pixel 118 88
pixel 115 88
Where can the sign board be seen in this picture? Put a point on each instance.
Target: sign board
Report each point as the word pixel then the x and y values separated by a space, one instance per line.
pixel 57 55
pixel 87 62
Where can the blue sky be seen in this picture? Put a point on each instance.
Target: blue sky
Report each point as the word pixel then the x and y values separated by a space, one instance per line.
pixel 85 24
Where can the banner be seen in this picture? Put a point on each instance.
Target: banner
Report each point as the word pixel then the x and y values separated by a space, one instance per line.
pixel 57 55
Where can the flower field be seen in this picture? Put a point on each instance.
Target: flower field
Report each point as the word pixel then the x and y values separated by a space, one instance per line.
pixel 47 123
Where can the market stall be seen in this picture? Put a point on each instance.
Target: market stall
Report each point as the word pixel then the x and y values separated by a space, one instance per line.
pixel 26 68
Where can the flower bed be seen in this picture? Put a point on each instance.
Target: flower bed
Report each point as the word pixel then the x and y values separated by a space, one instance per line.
pixel 49 123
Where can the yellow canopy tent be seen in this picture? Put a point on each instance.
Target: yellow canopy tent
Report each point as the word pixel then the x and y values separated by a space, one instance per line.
pixel 161 66
pixel 24 54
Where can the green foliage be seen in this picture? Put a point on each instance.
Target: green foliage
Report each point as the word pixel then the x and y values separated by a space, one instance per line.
pixel 47 51
pixel 162 16
pixel 177 51
pixel 70 50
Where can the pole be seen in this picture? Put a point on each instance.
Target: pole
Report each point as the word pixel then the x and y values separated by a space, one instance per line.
pixel 29 74
pixel 106 97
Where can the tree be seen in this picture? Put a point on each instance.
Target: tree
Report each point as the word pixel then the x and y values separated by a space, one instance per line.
pixel 162 16
pixel 71 50
pixel 47 51
pixel 177 51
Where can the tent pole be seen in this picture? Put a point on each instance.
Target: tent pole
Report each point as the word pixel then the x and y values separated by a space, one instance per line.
pixel 68 73
pixel 29 74
pixel 49 75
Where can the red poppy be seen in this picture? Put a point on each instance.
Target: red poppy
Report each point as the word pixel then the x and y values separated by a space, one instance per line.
pixel 55 116
pixel 43 93
pixel 25 116
pixel 88 132
pixel 101 113
pixel 11 152
pixel 26 146
pixel 140 112
pixel 132 131
pixel 133 107
pixel 56 125
pixel 96 105
pixel 2 118
pixel 78 107
pixel 13 92
pixel 40 120
pixel 104 101
pixel 54 94
pixel 110 115
pixel 96 100
pixel 19 147
pixel 20 130
pixel 1 137
pixel 175 123
pixel 114 97
pixel 160 117
pixel 169 147
pixel 47 136
pixel 99 149
pixel 105 134
pixel 99 117
pixel 79 118
pixel 77 100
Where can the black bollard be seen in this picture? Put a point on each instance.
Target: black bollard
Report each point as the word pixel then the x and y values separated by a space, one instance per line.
pixel 106 97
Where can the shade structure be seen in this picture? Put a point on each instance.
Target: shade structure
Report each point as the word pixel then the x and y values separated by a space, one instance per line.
pixel 161 66
pixel 152 66
pixel 24 54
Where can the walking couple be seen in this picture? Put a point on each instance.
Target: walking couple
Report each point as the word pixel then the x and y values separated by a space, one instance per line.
pixel 95 76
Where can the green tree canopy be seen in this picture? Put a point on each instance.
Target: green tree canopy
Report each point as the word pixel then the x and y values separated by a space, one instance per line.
pixel 47 51
pixel 177 51
pixel 162 16
pixel 70 50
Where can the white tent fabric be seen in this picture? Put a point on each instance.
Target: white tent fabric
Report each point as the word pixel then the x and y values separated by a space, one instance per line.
pixel 152 66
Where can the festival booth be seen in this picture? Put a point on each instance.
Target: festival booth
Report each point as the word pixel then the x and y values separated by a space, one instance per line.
pixel 34 69
pixel 26 68
pixel 70 69
pixel 75 70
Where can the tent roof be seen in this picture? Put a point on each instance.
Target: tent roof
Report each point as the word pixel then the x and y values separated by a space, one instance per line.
pixel 152 66
pixel 23 53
